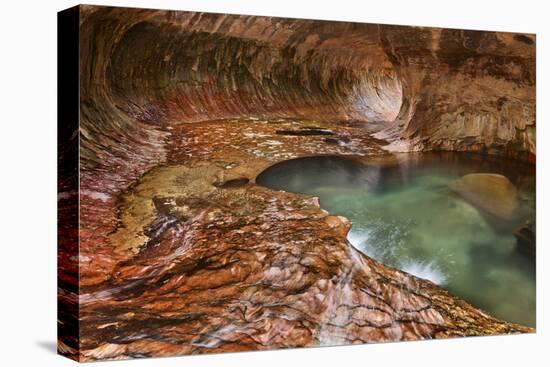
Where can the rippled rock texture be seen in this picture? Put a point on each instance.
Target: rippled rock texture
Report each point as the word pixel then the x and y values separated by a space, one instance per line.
pixel 168 247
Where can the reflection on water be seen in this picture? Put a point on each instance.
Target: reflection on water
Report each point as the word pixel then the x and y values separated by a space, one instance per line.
pixel 404 215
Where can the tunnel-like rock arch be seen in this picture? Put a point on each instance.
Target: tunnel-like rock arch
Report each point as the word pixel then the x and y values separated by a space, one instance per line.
pixel 165 203
pixel 456 90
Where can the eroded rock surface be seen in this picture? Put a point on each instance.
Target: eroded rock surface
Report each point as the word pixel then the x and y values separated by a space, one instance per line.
pixel 244 267
pixel 180 252
pixel 491 192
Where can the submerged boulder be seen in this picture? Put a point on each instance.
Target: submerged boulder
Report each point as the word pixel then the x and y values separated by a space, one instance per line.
pixel 491 192
pixel 526 238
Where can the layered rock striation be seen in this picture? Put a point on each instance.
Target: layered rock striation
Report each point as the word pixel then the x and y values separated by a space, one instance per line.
pixel 180 252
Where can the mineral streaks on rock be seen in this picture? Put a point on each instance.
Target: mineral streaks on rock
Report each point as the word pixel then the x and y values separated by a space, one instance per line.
pixel 181 253
pixel 247 268
pixel 435 88
pixel 463 91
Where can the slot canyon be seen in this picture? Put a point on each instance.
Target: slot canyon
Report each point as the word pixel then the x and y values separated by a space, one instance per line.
pixel 169 246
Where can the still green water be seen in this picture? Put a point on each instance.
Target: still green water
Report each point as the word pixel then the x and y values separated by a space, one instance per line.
pixel 404 215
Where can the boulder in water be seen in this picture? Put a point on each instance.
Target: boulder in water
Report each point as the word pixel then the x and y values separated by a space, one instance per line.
pixel 526 237
pixel 491 192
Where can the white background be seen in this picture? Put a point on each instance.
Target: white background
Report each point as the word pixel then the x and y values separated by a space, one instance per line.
pixel 28 182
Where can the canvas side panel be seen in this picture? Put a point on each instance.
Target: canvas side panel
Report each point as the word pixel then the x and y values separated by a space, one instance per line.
pixel 68 182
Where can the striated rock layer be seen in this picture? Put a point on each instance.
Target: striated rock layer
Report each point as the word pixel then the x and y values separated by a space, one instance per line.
pixel 181 253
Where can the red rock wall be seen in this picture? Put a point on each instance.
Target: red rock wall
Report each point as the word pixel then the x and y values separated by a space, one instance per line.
pixel 465 91
pixel 145 72
pixel 458 90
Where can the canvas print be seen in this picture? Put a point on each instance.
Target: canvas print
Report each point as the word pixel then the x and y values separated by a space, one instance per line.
pixel 239 183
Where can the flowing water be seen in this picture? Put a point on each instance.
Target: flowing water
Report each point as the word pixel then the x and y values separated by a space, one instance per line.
pixel 405 215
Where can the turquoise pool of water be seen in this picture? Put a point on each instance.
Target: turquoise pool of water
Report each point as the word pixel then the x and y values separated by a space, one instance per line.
pixel 405 215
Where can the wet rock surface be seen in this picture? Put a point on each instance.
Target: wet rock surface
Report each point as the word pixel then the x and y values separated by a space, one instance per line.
pixel 526 236
pixel 181 253
pixel 491 192
pixel 245 268
pixel 305 132
pixel 200 260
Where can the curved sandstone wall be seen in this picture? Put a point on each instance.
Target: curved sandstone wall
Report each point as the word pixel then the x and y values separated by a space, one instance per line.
pixel 449 89
pixel 169 259
pixel 464 91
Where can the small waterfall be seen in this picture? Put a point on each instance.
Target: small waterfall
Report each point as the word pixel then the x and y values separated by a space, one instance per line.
pixel 425 270
pixel 421 269
pixel 359 239
pixel 405 217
